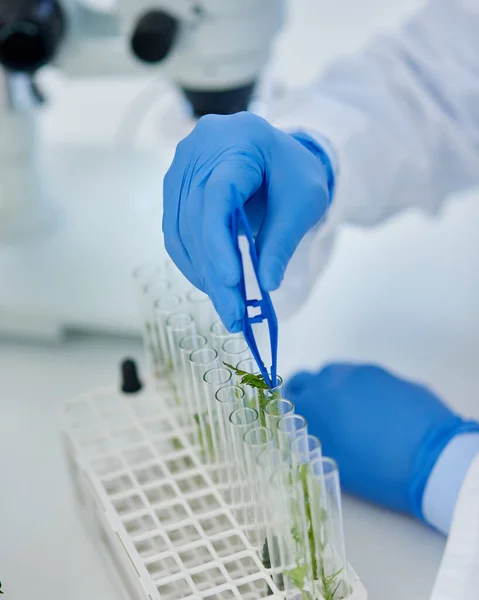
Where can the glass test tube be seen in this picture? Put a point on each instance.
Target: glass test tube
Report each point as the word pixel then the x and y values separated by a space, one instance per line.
pixel 143 277
pixel 275 409
pixel 248 365
pixel 327 528
pixel 270 461
pixel 178 326
pixel 187 345
pixel 264 396
pixel 202 360
pixel 256 441
pixel 234 350
pixel 292 533
pixel 228 399
pixel 241 421
pixel 289 428
pixel 304 449
pixel 218 335
pixel 163 308
pixel 202 309
pixel 213 380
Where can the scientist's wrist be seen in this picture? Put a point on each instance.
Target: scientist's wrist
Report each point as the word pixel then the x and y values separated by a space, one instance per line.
pixel 322 149
pixel 446 475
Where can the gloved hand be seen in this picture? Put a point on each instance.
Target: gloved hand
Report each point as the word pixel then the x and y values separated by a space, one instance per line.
pixel 385 433
pixel 284 181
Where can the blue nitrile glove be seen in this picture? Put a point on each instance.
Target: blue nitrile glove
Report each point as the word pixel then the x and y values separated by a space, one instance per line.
pixel 285 182
pixel 385 433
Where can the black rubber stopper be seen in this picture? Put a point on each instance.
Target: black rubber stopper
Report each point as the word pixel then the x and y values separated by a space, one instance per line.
pixel 154 36
pixel 130 381
pixel 220 102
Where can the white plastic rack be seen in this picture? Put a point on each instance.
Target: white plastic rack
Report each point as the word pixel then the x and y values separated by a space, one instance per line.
pixel 153 508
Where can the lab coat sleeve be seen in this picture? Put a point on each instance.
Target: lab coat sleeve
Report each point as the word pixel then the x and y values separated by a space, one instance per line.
pixel 446 479
pixel 458 577
pixel 402 121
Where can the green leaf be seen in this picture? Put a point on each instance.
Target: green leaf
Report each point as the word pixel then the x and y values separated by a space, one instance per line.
pixel 329 584
pixel 297 575
pixel 323 516
pixel 296 534
pixel 254 381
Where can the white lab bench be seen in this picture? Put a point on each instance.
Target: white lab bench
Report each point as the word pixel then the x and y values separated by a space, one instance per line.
pixel 44 550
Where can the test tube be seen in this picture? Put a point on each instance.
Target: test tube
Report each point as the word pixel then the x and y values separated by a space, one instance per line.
pixel 228 399
pixel 289 428
pixel 305 448
pixel 143 276
pixel 248 365
pixel 257 441
pixel 292 532
pixel 202 309
pixel 202 360
pixel 327 528
pixel 275 409
pixel 270 461
pixel 218 335
pixel 164 307
pixel 213 380
pixel 178 326
pixel 264 397
pixel 241 421
pixel 187 345
pixel 234 350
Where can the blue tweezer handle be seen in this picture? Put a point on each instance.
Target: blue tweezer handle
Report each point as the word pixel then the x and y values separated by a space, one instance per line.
pixel 266 310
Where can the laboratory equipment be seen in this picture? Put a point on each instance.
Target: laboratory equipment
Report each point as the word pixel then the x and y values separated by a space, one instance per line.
pixel 258 310
pixel 209 54
pixel 223 512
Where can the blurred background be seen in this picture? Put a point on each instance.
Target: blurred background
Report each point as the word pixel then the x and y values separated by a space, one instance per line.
pixel 404 296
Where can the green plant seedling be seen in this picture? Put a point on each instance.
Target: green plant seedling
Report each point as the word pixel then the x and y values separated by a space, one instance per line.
pixel 258 383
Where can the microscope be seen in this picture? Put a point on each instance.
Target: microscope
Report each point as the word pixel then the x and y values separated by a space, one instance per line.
pixel 212 52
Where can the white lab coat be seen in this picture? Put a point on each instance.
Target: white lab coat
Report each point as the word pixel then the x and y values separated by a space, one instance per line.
pixel 402 122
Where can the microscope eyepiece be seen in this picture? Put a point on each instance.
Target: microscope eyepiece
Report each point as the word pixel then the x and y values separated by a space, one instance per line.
pixel 154 36
pixel 30 33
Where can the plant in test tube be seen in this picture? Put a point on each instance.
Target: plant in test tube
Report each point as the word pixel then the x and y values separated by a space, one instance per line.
pixel 207 444
pixel 329 583
pixel 257 382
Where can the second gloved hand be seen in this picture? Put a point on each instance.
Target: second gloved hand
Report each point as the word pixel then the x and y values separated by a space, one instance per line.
pixel 283 181
pixel 385 433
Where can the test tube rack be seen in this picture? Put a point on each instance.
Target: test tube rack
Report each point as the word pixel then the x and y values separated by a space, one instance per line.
pixel 152 506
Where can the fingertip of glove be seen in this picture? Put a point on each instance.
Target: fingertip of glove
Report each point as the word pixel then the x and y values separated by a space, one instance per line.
pixel 234 327
pixel 272 275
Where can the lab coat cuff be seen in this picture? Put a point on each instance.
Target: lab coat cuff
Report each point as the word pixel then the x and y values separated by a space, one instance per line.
pixel 447 476
pixel 323 149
